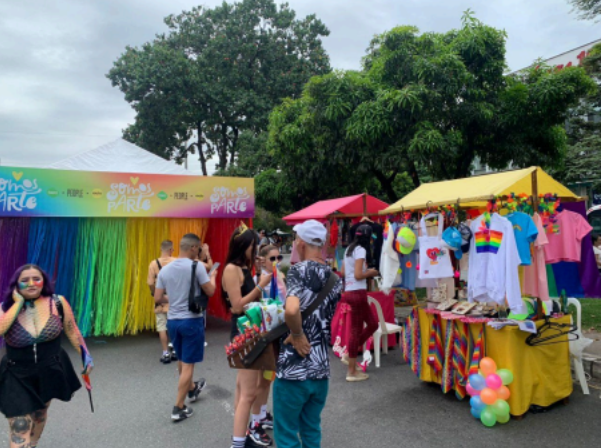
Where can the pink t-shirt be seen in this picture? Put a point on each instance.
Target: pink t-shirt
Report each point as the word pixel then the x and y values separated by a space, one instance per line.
pixel 565 245
pixel 535 275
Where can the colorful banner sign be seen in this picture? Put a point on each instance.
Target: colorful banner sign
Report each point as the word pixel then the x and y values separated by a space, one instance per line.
pixel 57 193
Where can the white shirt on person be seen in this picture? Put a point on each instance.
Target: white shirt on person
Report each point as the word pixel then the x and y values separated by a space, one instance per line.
pixel 351 283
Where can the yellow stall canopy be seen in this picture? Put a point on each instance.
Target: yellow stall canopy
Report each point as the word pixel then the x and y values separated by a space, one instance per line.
pixel 476 190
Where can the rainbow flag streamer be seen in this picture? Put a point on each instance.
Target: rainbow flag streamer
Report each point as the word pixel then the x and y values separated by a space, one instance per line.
pixel 435 347
pixel 477 355
pixel 447 370
pixel 273 291
pixel 416 345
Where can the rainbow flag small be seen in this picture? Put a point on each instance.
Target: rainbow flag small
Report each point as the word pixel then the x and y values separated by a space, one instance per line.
pixel 273 291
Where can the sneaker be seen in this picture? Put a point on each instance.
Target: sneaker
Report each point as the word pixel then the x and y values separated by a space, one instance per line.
pixel 359 376
pixel 172 351
pixel 257 435
pixel 344 359
pixel 166 358
pixel 267 422
pixel 198 388
pixel 179 414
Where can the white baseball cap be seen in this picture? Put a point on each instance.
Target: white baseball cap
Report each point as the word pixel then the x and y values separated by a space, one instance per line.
pixel 311 232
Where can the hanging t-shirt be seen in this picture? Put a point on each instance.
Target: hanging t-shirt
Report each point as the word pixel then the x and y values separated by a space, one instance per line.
pixel 494 261
pixel 408 265
pixel 334 234
pixel 535 275
pixel 350 282
pixel 389 262
pixel 565 245
pixel 525 232
pixel 567 278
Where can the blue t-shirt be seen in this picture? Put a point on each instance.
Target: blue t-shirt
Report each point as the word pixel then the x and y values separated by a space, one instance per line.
pixel 525 232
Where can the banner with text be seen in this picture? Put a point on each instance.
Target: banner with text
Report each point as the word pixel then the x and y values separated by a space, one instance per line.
pixel 57 193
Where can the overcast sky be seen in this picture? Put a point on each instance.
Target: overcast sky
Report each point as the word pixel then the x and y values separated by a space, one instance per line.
pixel 55 100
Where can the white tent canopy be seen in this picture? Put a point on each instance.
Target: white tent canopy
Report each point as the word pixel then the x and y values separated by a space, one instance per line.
pixel 121 156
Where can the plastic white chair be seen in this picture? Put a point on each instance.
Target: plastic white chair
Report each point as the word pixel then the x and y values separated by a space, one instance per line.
pixel 577 347
pixel 384 329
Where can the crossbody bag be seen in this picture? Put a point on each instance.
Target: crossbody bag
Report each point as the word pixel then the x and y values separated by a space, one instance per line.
pixel 197 303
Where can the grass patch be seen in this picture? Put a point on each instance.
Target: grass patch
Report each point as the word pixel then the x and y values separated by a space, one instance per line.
pixel 591 314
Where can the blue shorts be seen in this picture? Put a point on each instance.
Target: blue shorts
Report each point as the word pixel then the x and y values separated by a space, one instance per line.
pixel 188 339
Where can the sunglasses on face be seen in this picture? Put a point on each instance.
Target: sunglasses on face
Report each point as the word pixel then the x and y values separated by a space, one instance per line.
pixel 279 258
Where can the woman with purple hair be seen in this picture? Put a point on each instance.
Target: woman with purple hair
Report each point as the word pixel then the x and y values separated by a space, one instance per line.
pixel 35 369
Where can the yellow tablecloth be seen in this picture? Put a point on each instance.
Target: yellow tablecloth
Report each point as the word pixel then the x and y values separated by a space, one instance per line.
pixel 542 374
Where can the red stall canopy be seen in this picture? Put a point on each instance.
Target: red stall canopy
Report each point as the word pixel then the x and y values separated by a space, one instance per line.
pixel 350 206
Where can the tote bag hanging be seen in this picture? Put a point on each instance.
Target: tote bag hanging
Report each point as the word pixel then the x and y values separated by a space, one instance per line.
pixel 434 258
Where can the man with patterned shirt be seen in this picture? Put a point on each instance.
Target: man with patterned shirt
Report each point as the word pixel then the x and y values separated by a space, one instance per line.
pixel 303 368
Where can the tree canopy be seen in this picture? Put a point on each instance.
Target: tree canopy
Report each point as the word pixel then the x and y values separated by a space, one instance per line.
pixel 217 73
pixel 588 9
pixel 424 104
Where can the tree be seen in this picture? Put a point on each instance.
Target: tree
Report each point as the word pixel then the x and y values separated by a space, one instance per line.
pixel 589 9
pixel 217 73
pixel 583 158
pixel 424 103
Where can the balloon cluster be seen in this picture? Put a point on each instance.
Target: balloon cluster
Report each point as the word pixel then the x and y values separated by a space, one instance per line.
pixel 240 341
pixel 489 393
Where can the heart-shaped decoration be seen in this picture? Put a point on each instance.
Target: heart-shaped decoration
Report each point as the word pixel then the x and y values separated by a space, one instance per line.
pixel 134 180
pixel 18 175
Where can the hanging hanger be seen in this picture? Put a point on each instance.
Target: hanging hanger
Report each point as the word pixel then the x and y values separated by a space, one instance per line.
pixel 550 331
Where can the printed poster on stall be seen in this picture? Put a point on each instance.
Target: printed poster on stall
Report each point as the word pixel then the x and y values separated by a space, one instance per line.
pixel 32 192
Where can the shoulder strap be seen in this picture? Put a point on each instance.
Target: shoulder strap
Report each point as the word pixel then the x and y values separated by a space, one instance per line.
pixel 59 306
pixel 159 264
pixel 192 282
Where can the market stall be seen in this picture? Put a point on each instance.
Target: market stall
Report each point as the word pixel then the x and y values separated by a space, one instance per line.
pixel 95 232
pixel 483 247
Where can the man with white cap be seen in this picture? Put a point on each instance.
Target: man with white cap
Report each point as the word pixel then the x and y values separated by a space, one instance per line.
pixel 303 367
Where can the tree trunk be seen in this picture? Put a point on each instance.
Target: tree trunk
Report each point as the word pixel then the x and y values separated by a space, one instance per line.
pixel 414 174
pixel 234 147
pixel 201 154
pixel 223 148
pixel 386 184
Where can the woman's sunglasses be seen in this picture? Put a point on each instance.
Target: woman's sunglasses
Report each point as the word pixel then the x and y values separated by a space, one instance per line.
pixel 279 258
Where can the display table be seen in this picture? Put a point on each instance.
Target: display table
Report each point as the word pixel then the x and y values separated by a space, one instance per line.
pixel 542 373
pixel 340 327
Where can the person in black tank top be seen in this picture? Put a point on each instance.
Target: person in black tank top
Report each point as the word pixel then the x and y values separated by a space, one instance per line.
pixel 239 290
pixel 246 289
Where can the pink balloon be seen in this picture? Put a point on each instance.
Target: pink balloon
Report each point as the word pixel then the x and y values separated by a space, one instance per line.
pixel 471 391
pixel 494 381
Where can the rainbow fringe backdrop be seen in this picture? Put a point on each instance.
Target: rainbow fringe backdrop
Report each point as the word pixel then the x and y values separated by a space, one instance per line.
pixel 101 264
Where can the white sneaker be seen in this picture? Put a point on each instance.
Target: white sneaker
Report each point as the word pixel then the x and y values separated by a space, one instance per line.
pixel 359 376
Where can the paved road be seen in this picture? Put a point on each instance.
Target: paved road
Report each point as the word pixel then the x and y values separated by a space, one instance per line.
pixel 134 395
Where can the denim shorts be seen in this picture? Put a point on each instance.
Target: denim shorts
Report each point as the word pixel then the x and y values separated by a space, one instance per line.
pixel 188 339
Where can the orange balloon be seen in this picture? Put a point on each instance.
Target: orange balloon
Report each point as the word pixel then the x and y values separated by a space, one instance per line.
pixel 488 396
pixel 488 366
pixel 503 393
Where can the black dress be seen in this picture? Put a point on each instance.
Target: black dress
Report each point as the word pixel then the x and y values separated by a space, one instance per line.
pixel 247 286
pixel 29 380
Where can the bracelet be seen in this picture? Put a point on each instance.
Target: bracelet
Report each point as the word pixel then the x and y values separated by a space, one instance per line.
pixel 298 335
pixel 261 290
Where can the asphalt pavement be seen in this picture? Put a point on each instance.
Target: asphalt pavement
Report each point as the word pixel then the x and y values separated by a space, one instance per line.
pixel 134 394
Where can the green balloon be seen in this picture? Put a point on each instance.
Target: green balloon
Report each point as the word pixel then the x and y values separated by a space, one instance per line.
pixel 506 376
pixel 503 418
pixel 500 407
pixel 488 417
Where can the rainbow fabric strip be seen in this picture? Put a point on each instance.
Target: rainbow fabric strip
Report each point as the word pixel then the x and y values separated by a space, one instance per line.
pixel 460 358
pixel 477 355
pixel 435 346
pixel 488 241
pixel 447 371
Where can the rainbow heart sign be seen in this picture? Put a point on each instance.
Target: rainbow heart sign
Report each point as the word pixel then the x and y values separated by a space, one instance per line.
pixel 33 192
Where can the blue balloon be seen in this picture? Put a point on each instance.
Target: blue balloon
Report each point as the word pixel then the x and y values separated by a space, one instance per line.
pixel 476 413
pixel 477 381
pixel 477 403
